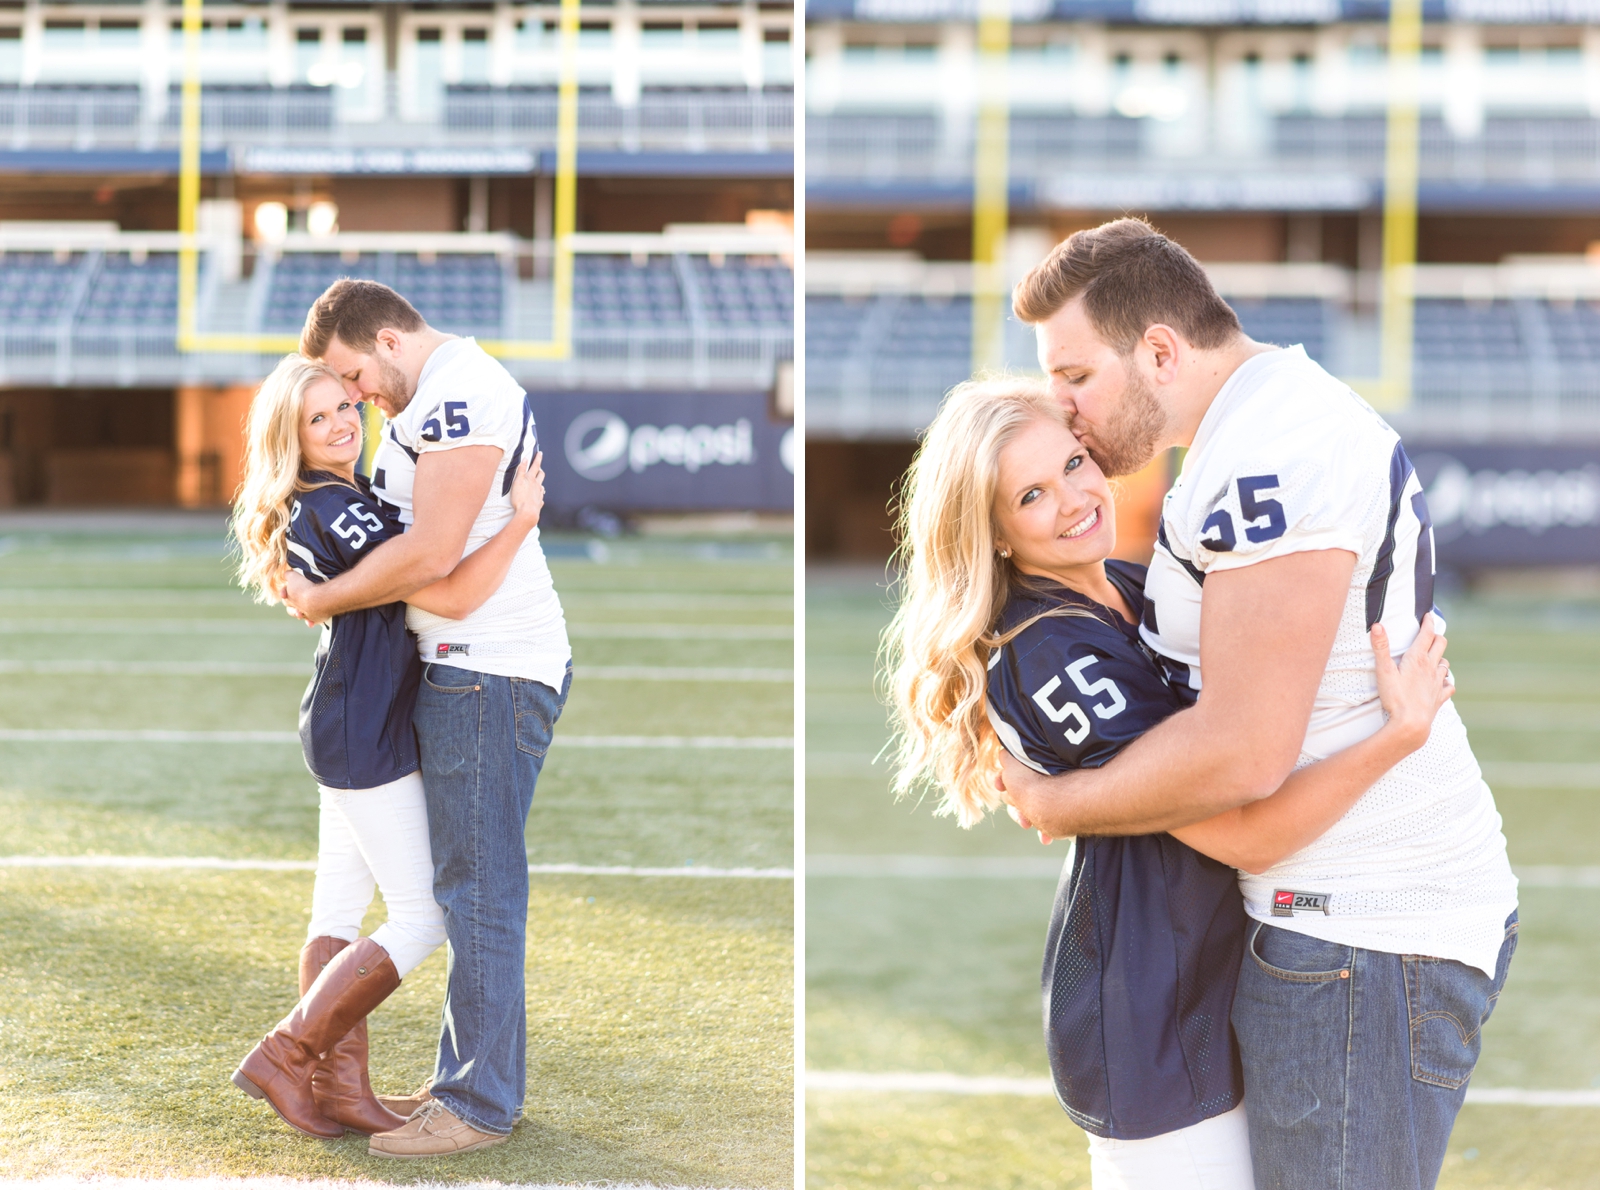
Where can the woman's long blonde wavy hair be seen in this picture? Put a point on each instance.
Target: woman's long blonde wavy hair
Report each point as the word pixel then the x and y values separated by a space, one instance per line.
pixel 273 473
pixel 952 589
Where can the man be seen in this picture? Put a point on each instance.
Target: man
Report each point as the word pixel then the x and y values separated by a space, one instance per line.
pixel 1297 522
pixel 494 683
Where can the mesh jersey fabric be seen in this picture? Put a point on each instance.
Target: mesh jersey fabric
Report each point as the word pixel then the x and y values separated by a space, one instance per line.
pixel 1289 459
pixel 1146 934
pixel 355 716
pixel 465 397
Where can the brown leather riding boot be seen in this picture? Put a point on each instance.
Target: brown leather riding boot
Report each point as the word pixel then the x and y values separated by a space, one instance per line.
pixel 356 980
pixel 340 1087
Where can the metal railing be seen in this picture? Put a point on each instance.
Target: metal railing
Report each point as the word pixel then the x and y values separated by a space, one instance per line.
pixel 923 146
pixel 90 117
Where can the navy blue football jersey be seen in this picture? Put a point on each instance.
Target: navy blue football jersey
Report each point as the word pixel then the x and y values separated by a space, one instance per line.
pixel 1146 934
pixel 355 717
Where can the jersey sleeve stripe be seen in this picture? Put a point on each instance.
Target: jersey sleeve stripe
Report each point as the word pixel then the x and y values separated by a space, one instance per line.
pixel 1383 569
pixel 305 555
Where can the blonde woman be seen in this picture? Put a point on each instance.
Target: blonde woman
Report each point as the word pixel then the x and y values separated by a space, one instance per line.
pixel 1015 631
pixel 303 507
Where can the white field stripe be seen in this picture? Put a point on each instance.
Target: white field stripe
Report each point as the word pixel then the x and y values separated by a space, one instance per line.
pixel 262 626
pixel 100 1182
pixel 300 669
pixel 959 1084
pixel 683 631
pixel 69 735
pixel 953 867
pixel 213 863
pixel 1542 774
pixel 939 867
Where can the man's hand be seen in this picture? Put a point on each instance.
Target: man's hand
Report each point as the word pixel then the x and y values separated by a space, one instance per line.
pixel 299 597
pixel 1020 788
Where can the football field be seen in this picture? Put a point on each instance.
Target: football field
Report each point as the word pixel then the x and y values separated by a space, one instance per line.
pixel 923 941
pixel 147 712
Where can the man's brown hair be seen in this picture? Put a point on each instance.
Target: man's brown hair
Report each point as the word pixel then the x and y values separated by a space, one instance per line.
pixel 354 312
pixel 1130 277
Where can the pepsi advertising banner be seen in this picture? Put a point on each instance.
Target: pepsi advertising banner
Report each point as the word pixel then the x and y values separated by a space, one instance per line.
pixel 664 452
pixel 1510 504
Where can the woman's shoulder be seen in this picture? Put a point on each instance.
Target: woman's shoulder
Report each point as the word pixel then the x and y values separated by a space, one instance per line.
pixel 1058 614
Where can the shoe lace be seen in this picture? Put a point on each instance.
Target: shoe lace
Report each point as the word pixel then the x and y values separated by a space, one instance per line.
pixel 428 1111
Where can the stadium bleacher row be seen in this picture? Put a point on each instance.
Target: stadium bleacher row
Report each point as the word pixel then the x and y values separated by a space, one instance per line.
pixel 901 352
pixel 78 306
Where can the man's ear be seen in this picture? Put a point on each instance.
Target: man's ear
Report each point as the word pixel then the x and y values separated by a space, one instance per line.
pixel 1163 348
pixel 389 339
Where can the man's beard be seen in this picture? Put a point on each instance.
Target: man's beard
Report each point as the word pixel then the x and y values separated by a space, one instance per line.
pixel 1128 440
pixel 392 387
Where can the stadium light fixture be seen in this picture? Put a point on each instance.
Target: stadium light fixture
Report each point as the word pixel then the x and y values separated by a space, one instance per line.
pixel 558 346
pixel 1391 388
pixel 990 185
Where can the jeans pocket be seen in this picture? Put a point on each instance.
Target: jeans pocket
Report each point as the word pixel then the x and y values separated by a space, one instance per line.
pixel 537 709
pixel 447 679
pixel 1298 958
pixel 1448 1003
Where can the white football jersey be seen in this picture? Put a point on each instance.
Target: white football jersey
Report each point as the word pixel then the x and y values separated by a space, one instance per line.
pixel 1289 459
pixel 465 398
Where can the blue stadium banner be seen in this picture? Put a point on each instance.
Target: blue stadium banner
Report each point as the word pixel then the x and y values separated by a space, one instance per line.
pixel 1511 504
pixel 664 452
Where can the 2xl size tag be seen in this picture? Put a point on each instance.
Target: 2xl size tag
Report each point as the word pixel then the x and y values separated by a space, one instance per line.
pixel 443 652
pixel 1286 903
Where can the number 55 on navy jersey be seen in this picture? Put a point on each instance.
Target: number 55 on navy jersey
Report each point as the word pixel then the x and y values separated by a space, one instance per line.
pixel 1071 692
pixel 332 528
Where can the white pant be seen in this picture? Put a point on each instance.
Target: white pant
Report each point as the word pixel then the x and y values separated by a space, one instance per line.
pixel 377 838
pixel 1211 1155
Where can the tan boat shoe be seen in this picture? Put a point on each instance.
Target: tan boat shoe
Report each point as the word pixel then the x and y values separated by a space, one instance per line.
pixel 432 1131
pixel 404 1105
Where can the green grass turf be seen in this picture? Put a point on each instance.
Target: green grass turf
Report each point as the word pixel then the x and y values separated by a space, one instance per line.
pixel 926 974
pixel 659 1030
pixel 660 1011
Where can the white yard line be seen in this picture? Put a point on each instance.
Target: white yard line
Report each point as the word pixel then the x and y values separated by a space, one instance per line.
pixel 965 867
pixel 300 669
pixel 959 1084
pixel 261 626
pixel 213 863
pixel 69 735
pixel 101 1182
pixel 1542 774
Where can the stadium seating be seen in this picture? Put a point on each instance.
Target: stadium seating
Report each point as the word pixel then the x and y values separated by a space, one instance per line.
pixel 35 287
pixel 621 292
pixel 459 293
pixel 127 291
pixel 1286 321
pixel 743 291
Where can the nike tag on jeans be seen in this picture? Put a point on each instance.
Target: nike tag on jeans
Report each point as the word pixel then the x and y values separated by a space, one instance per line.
pixel 1287 902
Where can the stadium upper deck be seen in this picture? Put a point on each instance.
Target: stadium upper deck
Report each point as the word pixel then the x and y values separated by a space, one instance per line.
pixel 382 88
pixel 1199 105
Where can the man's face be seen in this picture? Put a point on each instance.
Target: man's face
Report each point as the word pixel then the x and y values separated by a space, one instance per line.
pixel 1111 405
pixel 371 377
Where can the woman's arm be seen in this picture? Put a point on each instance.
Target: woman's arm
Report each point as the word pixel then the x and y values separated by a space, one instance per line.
pixel 480 573
pixel 1256 836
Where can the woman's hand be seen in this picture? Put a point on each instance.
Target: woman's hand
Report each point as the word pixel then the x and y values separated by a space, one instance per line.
pixel 1413 691
pixel 527 491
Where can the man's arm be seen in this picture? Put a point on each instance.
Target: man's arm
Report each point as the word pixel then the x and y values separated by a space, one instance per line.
pixel 1265 634
pixel 450 490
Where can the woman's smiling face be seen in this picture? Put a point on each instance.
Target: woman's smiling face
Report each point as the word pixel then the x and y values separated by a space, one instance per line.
pixel 1052 504
pixel 330 429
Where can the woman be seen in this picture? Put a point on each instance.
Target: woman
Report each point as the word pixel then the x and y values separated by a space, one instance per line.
pixel 303 506
pixel 1015 631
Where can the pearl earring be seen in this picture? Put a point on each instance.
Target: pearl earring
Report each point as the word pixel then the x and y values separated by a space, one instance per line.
pixel 1005 552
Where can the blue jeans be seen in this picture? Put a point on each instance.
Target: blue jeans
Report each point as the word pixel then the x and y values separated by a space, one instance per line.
pixel 483 740
pixel 1356 1061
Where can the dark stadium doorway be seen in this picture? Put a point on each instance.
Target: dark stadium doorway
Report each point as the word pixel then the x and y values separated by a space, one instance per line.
pixel 86 447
